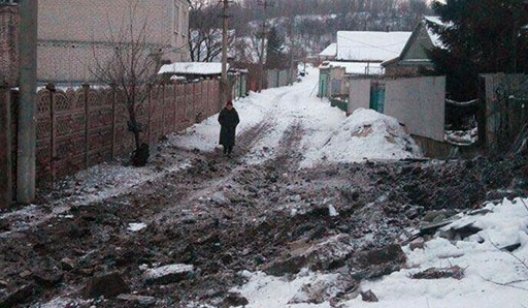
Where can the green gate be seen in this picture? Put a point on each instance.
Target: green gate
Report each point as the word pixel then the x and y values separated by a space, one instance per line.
pixel 377 98
pixel 323 83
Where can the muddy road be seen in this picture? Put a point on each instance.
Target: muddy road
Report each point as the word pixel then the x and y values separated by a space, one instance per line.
pixel 223 217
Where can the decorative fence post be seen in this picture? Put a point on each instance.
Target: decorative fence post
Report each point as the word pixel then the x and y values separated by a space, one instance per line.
pixel 6 181
pixel 53 133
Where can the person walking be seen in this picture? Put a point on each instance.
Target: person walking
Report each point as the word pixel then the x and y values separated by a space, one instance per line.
pixel 229 120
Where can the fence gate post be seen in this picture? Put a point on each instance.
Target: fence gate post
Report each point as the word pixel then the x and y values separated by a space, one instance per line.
pixel 6 184
pixel 53 128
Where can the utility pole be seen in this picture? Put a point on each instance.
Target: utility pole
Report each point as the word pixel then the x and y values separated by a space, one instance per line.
pixel 265 4
pixel 292 47
pixel 225 82
pixel 28 97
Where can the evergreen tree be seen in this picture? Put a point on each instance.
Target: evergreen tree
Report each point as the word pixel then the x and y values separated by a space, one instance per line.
pixel 275 57
pixel 479 36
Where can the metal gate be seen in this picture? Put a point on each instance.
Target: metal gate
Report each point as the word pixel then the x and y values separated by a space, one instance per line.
pixel 377 97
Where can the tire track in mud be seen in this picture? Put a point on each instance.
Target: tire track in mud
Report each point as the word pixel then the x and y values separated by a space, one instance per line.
pixel 290 154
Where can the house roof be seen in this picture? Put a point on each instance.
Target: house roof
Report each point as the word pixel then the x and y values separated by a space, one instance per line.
pixel 435 40
pixel 192 68
pixel 330 51
pixel 356 68
pixel 370 45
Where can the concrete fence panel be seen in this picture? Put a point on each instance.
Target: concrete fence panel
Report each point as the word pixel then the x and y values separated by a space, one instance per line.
pixel 359 94
pixel 6 181
pixel 79 128
pixel 419 103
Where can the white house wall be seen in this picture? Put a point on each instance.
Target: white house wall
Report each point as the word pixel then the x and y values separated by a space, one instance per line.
pixel 359 96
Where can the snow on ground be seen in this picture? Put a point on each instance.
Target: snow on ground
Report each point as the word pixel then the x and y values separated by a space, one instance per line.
pixel 492 277
pixel 328 135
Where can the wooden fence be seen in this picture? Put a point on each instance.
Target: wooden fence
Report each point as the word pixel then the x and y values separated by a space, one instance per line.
pixel 80 128
pixel 505 109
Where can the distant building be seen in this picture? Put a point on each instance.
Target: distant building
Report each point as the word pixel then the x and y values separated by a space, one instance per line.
pixel 414 59
pixel 358 54
pixel 69 32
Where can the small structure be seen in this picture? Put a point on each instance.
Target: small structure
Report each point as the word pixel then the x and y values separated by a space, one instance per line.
pixel 191 70
pixel 414 59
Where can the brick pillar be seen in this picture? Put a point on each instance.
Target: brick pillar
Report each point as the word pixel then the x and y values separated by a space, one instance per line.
pixel 5 150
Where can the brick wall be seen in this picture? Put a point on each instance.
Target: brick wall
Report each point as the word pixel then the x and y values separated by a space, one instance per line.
pixel 9 20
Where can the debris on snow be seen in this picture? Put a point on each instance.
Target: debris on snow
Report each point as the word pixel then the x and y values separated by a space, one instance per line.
pixel 168 274
pixel 369 296
pixel 455 272
pixel 332 211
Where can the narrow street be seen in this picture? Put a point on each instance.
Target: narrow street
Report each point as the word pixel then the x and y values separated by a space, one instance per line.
pixel 229 218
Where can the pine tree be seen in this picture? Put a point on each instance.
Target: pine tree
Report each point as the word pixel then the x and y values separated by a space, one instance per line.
pixel 275 58
pixel 480 36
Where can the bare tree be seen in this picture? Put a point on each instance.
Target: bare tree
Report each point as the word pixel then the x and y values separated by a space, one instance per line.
pixel 205 33
pixel 130 66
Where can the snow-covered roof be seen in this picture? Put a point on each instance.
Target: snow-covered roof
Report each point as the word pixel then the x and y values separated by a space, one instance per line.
pixel 357 68
pixel 192 68
pixel 329 51
pixel 370 45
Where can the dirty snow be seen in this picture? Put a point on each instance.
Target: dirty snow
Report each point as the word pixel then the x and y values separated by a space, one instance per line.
pixel 93 185
pixel 366 134
pixel 492 277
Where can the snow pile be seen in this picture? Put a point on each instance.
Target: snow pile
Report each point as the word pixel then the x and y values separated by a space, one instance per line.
pixel 263 291
pixel 492 276
pixel 366 134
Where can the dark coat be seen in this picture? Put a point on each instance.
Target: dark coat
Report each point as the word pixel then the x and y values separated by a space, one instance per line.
pixel 229 121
